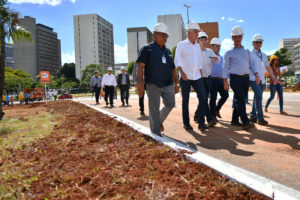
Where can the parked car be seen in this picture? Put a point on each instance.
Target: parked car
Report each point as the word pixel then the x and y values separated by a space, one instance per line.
pixel 65 96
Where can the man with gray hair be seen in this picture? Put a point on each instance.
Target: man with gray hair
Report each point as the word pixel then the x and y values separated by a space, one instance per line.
pixel 157 62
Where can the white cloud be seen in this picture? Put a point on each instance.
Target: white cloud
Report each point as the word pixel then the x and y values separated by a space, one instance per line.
pixel 121 53
pixel 46 2
pixel 68 58
pixel 270 52
pixel 232 19
pixel 226 44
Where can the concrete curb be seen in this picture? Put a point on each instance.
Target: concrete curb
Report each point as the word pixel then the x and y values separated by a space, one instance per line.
pixel 256 182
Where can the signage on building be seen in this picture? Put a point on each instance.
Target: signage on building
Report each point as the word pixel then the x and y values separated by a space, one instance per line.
pixel 45 77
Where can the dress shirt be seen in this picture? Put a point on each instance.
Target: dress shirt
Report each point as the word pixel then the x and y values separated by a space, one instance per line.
pixel 123 81
pixel 95 81
pixel 109 80
pixel 187 57
pixel 238 61
pixel 261 62
pixel 206 61
pixel 217 69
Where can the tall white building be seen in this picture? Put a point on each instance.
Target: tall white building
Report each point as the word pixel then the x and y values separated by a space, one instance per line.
pixel 176 28
pixel 94 42
pixel 290 43
pixel 297 60
pixel 136 39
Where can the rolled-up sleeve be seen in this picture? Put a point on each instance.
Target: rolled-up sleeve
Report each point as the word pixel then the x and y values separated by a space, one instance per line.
pixel 226 65
pixel 178 61
pixel 143 54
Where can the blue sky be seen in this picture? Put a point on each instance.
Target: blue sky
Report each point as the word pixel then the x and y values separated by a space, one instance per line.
pixel 273 19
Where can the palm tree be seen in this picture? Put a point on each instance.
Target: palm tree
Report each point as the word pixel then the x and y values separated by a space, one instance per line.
pixel 9 29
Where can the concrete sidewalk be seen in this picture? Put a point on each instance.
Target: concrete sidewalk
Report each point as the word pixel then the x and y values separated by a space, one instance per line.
pixel 272 151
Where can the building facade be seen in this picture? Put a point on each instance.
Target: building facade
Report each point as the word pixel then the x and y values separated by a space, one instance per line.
pixel 9 56
pixel 297 60
pixel 42 53
pixel 290 44
pixel 211 29
pixel 94 42
pixel 136 39
pixel 176 29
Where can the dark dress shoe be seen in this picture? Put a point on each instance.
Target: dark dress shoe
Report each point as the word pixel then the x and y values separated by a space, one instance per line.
pixel 236 124
pixel 262 122
pixel 253 120
pixel 248 126
pixel 202 127
pixel 188 127
pixel 218 114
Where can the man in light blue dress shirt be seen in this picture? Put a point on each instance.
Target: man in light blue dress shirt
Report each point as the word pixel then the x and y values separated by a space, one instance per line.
pixel 95 85
pixel 238 63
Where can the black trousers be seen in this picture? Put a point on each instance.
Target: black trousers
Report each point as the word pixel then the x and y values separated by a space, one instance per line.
pixel 109 92
pixel 124 93
pixel 97 91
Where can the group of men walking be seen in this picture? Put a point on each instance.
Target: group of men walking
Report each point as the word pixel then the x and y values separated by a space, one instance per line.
pixel 200 68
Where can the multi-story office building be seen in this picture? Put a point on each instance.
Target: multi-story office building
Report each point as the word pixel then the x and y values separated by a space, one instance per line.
pixel 94 42
pixel 290 43
pixel 176 29
pixel 297 60
pixel 136 39
pixel 42 53
pixel 211 29
pixel 9 56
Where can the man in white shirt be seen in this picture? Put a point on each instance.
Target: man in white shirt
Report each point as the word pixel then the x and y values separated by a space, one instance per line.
pixel 55 94
pixel 207 56
pixel 187 60
pixel 108 84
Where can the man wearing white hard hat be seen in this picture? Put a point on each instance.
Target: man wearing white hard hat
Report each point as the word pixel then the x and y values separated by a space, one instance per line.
pixel 187 61
pixel 207 57
pixel 262 64
pixel 156 62
pixel 217 84
pixel 124 85
pixel 109 84
pixel 238 63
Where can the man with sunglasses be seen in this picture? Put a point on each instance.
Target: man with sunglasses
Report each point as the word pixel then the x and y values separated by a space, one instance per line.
pixel 238 63
pixel 262 64
pixel 156 61
pixel 187 61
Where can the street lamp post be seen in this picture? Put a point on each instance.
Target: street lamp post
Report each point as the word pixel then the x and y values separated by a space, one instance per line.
pixel 187 8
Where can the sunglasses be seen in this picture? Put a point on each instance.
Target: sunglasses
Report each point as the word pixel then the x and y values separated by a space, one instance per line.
pixel 258 42
pixel 162 35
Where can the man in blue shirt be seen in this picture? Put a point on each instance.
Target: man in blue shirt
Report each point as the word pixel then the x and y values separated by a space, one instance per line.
pixel 95 85
pixel 238 63
pixel 217 84
pixel 157 62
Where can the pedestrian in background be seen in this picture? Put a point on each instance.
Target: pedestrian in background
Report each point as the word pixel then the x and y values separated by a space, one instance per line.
pixel 156 60
pixel 55 94
pixel 276 86
pixel 21 98
pixel 95 85
pixel 124 85
pixel 135 82
pixel 109 84
pixel 27 95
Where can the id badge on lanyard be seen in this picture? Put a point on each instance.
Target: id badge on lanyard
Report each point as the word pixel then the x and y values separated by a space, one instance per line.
pixel 164 60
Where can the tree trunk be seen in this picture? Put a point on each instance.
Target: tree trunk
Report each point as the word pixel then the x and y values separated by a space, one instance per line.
pixel 2 64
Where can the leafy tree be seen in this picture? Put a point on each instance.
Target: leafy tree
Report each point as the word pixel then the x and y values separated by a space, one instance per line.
pixel 173 51
pixel 16 80
pixel 9 29
pixel 130 67
pixel 88 72
pixel 67 71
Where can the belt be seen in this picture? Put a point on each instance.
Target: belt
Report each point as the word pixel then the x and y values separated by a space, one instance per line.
pixel 216 78
pixel 242 76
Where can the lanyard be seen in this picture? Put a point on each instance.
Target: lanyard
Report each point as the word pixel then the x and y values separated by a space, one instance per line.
pixel 161 50
pixel 259 54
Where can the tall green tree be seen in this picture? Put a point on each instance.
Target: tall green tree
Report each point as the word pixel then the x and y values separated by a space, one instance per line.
pixel 88 72
pixel 15 80
pixel 9 29
pixel 67 71
pixel 129 69
pixel 173 51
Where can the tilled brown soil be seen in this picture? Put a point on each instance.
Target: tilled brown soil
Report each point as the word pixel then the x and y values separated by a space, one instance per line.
pixel 92 156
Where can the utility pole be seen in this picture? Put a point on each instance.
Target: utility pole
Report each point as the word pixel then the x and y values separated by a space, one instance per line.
pixel 187 8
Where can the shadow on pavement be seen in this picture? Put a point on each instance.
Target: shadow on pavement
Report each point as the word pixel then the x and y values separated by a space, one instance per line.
pixel 283 129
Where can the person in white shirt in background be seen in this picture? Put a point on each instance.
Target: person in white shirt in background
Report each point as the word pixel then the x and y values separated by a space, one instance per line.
pixel 109 85
pixel 207 56
pixel 55 94
pixel 50 93
pixel 187 61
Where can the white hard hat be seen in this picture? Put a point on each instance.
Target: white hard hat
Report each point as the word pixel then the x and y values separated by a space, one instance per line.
pixel 202 34
pixel 215 40
pixel 193 26
pixel 161 27
pixel 109 69
pixel 257 38
pixel 123 67
pixel 237 30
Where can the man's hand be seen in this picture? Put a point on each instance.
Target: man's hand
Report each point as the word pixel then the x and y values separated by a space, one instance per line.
pixel 257 79
pixel 176 88
pixel 183 76
pixel 91 88
pixel 226 86
pixel 135 85
pixel 215 59
pixel 141 89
